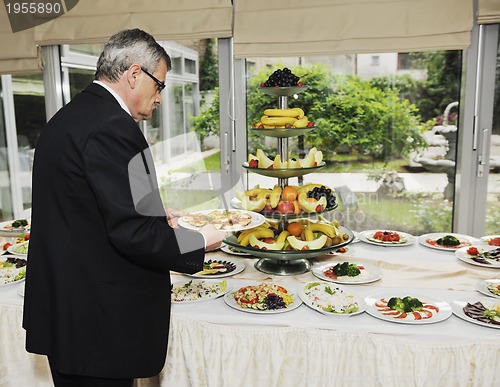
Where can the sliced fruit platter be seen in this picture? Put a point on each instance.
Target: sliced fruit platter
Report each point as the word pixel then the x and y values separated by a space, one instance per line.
pixel 12 269
pixel 290 201
pixel 414 309
pixel 387 237
pixel 219 268
pixel 196 290
pixel 479 310
pixel 480 255
pixel 346 272
pixel 262 298
pixel 447 241
pixel 331 300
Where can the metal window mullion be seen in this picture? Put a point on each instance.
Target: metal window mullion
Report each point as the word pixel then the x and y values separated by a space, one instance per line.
pixel 12 146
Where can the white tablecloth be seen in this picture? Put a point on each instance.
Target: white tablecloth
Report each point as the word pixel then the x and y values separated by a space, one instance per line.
pixel 212 344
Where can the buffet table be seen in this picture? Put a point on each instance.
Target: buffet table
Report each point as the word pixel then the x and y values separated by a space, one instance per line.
pixel 212 344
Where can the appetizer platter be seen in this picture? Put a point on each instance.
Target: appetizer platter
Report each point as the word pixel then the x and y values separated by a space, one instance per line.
pixel 346 272
pixel 489 287
pixel 19 248
pixel 408 309
pixel 484 311
pixel 491 240
pixel 224 220
pixel 15 227
pixel 197 290
pixel 219 268
pixel 482 255
pixel 386 237
pixel 447 241
pixel 331 300
pixel 265 298
pixel 12 270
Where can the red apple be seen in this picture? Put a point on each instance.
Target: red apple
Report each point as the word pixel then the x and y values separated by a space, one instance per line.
pixel 285 207
pixel 268 208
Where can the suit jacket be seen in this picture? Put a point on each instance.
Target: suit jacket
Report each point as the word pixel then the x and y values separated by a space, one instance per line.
pixel 97 295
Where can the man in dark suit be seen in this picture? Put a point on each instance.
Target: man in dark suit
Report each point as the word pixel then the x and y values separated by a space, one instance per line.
pixel 97 299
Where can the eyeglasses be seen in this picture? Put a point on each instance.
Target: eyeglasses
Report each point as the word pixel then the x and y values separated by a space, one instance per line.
pixel 161 85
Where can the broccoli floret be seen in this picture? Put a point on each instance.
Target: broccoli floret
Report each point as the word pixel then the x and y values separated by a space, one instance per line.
pixel 396 303
pixel 19 223
pixel 353 270
pixel 448 240
pixel 415 304
pixel 340 269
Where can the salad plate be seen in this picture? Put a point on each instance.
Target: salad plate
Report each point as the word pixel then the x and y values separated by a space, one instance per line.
pixel 491 240
pixel 394 238
pixel 219 268
pixel 433 310
pixel 430 240
pixel 331 300
pixel 265 298
pixel 368 273
pixel 197 290
pixel 12 270
pixel 20 249
pixel 483 259
pixel 15 227
pixel 472 310
pixel 489 287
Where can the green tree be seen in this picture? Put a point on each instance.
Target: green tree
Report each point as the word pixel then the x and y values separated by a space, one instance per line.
pixel 208 122
pixel 209 70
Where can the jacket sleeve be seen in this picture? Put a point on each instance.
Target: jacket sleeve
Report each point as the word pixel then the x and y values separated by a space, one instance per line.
pixel 136 226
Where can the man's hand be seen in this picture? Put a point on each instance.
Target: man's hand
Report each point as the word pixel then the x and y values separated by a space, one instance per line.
pixel 173 216
pixel 213 237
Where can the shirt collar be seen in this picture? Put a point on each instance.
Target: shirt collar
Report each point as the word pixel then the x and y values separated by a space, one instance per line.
pixel 114 94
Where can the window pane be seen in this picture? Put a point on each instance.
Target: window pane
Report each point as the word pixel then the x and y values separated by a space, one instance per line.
pixel 493 199
pixel 388 147
pixel 6 212
pixel 79 79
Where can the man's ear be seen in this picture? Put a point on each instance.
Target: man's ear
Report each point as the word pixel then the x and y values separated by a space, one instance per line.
pixel 132 75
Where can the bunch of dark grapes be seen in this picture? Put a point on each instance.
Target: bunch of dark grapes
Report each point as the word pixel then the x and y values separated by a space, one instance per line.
pixel 282 78
pixel 318 192
pixel 274 302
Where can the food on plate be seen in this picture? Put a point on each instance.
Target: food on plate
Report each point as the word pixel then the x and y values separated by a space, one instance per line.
pixel 309 198
pixel 194 290
pixel 484 311
pixel 17 224
pixel 283 118
pixel 6 245
pixel 494 289
pixel 480 255
pixel 330 299
pixel 220 219
pixel 493 241
pixel 20 248
pixel 387 237
pixel 300 235
pixel 213 267
pixel 266 296
pixel 12 270
pixel 406 308
pixel 448 241
pixel 23 237
pixel 282 78
pixel 345 271
pixel 313 158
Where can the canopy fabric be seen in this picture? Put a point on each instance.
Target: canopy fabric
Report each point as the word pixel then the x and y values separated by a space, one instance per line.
pixel 488 12
pixel 322 27
pixel 94 21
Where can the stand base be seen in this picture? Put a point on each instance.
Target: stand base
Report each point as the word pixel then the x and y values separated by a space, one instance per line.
pixel 283 267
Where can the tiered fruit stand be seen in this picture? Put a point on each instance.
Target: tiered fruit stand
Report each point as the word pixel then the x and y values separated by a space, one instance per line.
pixel 286 262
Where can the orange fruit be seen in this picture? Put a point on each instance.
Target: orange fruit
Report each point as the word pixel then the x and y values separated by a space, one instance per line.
pixel 294 228
pixel 289 193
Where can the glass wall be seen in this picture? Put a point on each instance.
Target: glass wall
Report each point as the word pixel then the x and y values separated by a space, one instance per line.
pixel 493 196
pixel 6 211
pixel 386 124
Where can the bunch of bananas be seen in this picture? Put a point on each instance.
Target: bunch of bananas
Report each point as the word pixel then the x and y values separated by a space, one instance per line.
pixel 283 118
pixel 313 236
